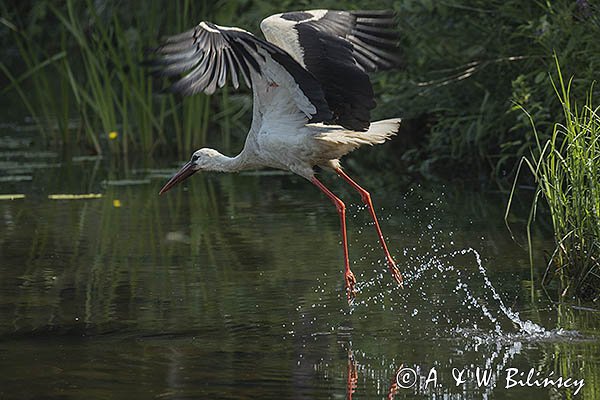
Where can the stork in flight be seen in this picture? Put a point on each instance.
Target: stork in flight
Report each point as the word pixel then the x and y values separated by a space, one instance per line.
pixel 312 94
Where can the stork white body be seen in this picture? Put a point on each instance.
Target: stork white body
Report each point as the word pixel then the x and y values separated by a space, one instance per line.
pixel 312 94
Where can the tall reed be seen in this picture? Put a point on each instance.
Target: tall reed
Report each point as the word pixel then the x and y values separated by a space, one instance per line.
pixel 97 80
pixel 566 168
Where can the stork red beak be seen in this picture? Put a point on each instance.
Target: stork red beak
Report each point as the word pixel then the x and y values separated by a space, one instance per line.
pixel 185 172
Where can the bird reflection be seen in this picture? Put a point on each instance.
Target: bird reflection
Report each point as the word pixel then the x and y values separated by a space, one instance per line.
pixel 352 378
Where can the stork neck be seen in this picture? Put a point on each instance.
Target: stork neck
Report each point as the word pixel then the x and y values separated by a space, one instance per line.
pixel 223 163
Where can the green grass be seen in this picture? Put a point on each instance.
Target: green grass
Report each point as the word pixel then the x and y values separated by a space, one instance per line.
pixel 566 168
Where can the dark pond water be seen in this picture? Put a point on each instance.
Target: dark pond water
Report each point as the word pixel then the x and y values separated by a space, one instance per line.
pixel 230 287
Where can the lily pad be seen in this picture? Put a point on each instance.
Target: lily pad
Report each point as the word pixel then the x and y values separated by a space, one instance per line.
pixel 126 182
pixel 14 196
pixel 27 154
pixel 12 165
pixel 16 178
pixel 86 158
pixel 67 196
pixel 8 142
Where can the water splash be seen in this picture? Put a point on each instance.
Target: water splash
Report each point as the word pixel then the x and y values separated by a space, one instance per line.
pixel 432 300
pixel 526 326
pixel 448 291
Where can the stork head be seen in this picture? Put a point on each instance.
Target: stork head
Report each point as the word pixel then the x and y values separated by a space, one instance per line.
pixel 203 159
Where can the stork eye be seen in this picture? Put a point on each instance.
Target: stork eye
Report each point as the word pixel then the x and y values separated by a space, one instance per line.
pixel 195 157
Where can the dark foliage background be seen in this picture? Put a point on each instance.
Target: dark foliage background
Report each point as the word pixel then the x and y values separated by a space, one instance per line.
pixel 468 65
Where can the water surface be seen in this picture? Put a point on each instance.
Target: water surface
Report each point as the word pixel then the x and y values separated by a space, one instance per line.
pixel 231 287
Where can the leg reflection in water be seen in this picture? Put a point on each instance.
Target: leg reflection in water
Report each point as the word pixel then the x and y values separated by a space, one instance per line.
pixel 352 376
pixel 352 379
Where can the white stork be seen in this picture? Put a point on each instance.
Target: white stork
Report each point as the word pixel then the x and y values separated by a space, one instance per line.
pixel 312 94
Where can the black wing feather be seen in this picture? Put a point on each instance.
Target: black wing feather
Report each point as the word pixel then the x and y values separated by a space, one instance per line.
pixel 210 54
pixel 339 48
pixel 366 30
pixel 347 88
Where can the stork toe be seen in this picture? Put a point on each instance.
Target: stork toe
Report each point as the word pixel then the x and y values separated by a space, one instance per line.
pixel 395 273
pixel 350 285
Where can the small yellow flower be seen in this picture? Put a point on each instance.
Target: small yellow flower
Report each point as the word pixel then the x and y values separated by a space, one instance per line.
pixel 116 203
pixel 113 135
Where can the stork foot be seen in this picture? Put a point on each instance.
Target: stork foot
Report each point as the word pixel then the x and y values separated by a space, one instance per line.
pixel 350 285
pixel 395 272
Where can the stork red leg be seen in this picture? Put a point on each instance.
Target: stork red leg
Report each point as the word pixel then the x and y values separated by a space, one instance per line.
pixel 366 198
pixel 341 209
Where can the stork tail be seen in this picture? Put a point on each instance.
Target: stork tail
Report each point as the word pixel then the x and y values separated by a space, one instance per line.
pixel 380 131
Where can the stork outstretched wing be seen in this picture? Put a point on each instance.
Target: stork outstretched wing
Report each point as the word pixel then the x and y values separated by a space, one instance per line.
pixel 209 54
pixel 339 48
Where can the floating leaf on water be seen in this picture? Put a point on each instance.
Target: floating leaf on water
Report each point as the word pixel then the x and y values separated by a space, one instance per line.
pixel 19 171
pixel 116 203
pixel 126 182
pixel 13 165
pixel 177 236
pixel 9 165
pixel 86 158
pixel 8 142
pixel 28 154
pixel 42 165
pixel 160 176
pixel 12 196
pixel 152 171
pixel 15 178
pixel 75 196
pixel 155 173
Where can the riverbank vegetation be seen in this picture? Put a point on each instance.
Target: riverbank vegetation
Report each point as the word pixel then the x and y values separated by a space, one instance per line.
pixel 76 68
pixel 79 72
pixel 566 168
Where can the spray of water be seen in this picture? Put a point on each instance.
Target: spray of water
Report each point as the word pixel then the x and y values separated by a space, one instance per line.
pixel 486 304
